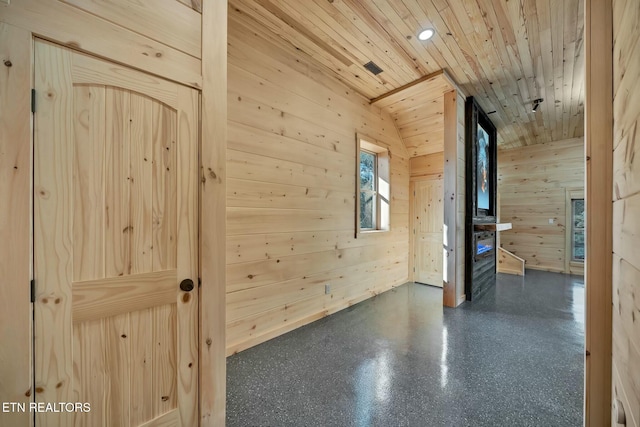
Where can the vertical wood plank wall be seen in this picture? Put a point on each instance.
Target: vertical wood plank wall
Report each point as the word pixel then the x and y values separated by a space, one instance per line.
pixel 15 202
pixel 626 207
pixel 290 196
pixel 532 183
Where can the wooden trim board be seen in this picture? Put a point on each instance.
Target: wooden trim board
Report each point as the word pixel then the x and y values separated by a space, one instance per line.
pixel 16 379
pixel 213 213
pixel 451 283
pixel 397 91
pixel 599 177
pixel 493 227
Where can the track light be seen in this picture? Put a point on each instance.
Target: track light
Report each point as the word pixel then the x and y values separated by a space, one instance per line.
pixel 536 104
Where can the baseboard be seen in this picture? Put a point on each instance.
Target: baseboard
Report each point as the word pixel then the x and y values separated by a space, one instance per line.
pixel 252 341
pixel 461 298
pixel 535 267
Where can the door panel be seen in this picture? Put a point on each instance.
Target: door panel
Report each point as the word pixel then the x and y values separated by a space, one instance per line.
pixel 115 233
pixel 428 224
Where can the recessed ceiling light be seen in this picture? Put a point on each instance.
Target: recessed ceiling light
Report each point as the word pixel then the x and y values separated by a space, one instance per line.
pixel 425 34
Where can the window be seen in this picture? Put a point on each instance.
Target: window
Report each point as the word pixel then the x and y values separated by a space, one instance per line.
pixel 577 230
pixel 368 190
pixel 373 192
pixel 574 231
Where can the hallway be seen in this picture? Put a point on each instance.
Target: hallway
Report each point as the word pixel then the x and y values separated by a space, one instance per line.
pixel 512 358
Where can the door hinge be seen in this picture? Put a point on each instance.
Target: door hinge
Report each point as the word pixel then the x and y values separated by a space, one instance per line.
pixel 199 282
pixel 414 269
pixel 33 100
pixel 33 290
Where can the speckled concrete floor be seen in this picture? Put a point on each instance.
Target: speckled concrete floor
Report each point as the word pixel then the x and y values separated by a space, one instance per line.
pixel 512 358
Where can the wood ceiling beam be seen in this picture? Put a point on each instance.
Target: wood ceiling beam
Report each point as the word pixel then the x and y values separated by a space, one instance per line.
pixel 398 90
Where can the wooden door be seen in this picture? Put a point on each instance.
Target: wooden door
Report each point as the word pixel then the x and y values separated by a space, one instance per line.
pixel 115 234
pixel 428 209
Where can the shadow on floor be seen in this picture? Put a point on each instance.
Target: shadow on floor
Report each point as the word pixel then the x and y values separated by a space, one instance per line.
pixel 512 358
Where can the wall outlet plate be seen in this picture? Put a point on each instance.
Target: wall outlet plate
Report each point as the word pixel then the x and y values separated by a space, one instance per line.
pixel 551 220
pixel 327 289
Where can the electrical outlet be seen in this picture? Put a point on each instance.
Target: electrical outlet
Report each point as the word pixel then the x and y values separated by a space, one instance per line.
pixel 327 289
pixel 551 220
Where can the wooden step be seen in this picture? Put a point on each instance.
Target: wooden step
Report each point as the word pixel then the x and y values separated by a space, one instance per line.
pixel 510 263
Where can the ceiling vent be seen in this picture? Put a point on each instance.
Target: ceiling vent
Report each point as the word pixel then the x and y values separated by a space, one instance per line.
pixel 373 68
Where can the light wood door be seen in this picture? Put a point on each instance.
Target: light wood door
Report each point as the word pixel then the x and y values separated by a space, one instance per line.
pixel 115 234
pixel 428 222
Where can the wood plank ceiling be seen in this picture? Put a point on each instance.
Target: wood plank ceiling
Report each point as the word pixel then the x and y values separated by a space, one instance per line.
pixel 506 53
pixel 418 112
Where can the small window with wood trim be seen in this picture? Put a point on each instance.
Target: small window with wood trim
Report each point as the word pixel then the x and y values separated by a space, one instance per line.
pixel 373 186
pixel 577 230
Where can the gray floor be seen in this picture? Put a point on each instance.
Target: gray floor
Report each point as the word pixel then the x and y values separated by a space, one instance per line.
pixel 512 358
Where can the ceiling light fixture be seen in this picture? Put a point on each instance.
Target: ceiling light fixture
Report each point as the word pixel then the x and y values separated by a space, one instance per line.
pixel 426 34
pixel 536 104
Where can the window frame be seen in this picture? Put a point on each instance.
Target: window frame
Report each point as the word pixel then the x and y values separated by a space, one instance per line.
pixel 574 229
pixel 572 266
pixel 381 172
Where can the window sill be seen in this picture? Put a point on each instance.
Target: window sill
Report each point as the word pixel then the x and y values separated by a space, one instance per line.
pixel 371 232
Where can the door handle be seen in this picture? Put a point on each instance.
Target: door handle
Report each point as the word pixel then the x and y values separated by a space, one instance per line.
pixel 186 285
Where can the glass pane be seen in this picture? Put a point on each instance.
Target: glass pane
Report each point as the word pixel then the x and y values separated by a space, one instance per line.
pixel 578 245
pixel 367 210
pixel 578 213
pixel 577 232
pixel 367 170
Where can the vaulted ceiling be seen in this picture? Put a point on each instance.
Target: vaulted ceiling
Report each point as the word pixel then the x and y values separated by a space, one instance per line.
pixel 506 53
pixel 418 112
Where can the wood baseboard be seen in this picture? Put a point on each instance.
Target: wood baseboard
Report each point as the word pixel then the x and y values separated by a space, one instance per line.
pixel 245 344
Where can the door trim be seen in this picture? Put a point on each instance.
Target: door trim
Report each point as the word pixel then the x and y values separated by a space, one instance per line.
pixel 599 207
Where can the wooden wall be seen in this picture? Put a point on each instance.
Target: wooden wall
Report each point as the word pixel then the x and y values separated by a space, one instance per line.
pixel 175 39
pixel 449 165
pixel 429 165
pixel 626 207
pixel 291 186
pixel 162 39
pixel 532 184
pixel 460 196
